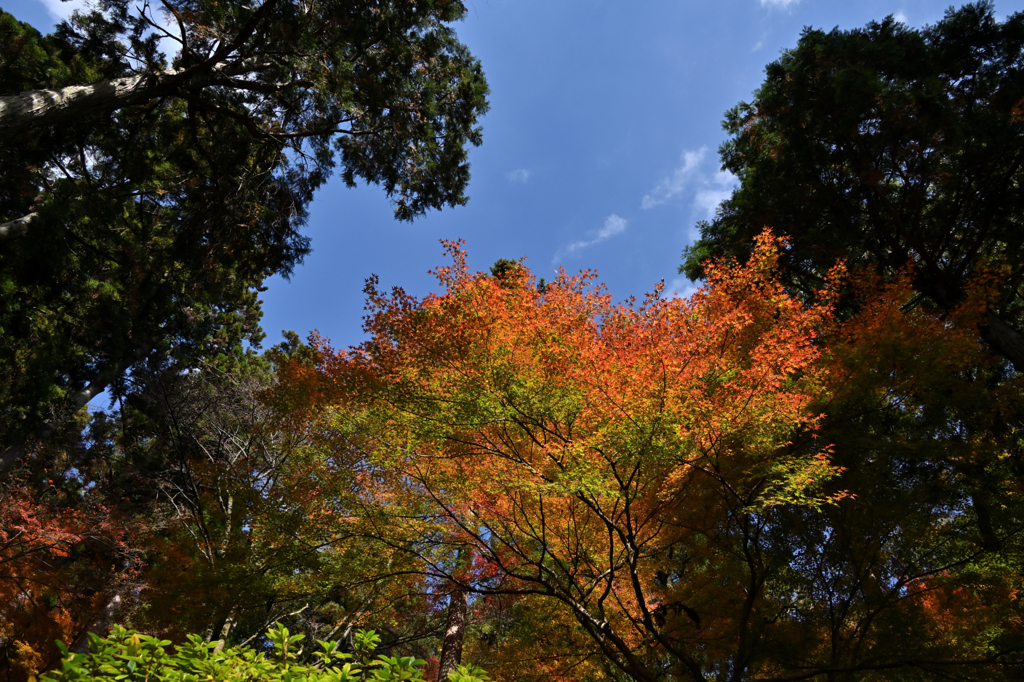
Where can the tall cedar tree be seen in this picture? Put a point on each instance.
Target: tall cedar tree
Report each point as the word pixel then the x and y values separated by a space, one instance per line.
pixel 144 203
pixel 899 151
pixel 887 145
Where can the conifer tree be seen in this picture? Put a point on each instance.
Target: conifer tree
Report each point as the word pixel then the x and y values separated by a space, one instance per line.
pixel 145 200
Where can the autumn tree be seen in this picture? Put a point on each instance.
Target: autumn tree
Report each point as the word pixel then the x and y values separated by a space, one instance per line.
pixel 183 511
pixel 66 557
pixel 235 514
pixel 580 448
pixel 912 576
pixel 145 200
pixel 895 149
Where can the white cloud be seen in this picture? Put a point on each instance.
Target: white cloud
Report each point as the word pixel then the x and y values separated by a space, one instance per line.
pixel 518 175
pixel 707 200
pixel 677 182
pixel 900 17
pixel 62 10
pixel 778 3
pixel 715 190
pixel 681 287
pixel 705 187
pixel 613 225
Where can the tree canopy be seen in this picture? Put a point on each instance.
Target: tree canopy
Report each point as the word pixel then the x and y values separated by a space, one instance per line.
pixel 144 202
pixel 898 152
pixel 885 146
pixel 738 485
pixel 660 480
pixel 572 446
pixel 810 469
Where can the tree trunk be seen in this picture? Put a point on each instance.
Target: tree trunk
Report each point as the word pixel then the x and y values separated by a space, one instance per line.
pixel 225 630
pixel 47 107
pixel 16 226
pixel 36 108
pixel 454 634
pixel 99 626
pixel 1005 340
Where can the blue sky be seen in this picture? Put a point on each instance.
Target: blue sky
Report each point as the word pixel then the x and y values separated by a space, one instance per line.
pixel 600 149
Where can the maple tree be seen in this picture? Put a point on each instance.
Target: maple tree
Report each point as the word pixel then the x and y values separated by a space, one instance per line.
pixel 916 575
pixel 578 448
pixel 736 486
pixel 125 515
pixel 63 563
pixel 240 517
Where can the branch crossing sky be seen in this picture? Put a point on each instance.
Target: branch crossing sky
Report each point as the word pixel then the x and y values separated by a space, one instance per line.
pixel 600 149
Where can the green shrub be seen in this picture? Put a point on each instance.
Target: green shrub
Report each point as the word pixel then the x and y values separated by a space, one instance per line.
pixel 133 657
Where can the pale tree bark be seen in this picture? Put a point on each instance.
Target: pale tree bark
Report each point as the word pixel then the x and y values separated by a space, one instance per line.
pixel 225 630
pixel 99 625
pixel 16 226
pixel 47 107
pixel 454 634
pixel 34 108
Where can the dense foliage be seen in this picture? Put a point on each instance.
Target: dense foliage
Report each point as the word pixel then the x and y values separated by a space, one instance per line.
pixel 130 656
pixel 186 512
pixel 885 146
pixel 897 151
pixel 811 469
pixel 144 203
pixel 733 486
pixel 572 446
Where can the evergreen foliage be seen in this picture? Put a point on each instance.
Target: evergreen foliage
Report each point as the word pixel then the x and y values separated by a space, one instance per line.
pixel 144 203
pixel 887 146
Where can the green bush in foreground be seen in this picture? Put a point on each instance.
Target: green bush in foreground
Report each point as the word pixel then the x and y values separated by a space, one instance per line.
pixel 126 655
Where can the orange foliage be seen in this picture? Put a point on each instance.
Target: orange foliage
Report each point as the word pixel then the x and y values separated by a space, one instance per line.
pixel 578 445
pixel 58 566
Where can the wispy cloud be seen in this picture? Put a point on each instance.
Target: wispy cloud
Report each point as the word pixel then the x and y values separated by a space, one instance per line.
pixel 900 17
pixel 697 180
pixel 613 225
pixel 678 181
pixel 716 189
pixel 62 10
pixel 681 287
pixel 518 175
pixel 778 3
